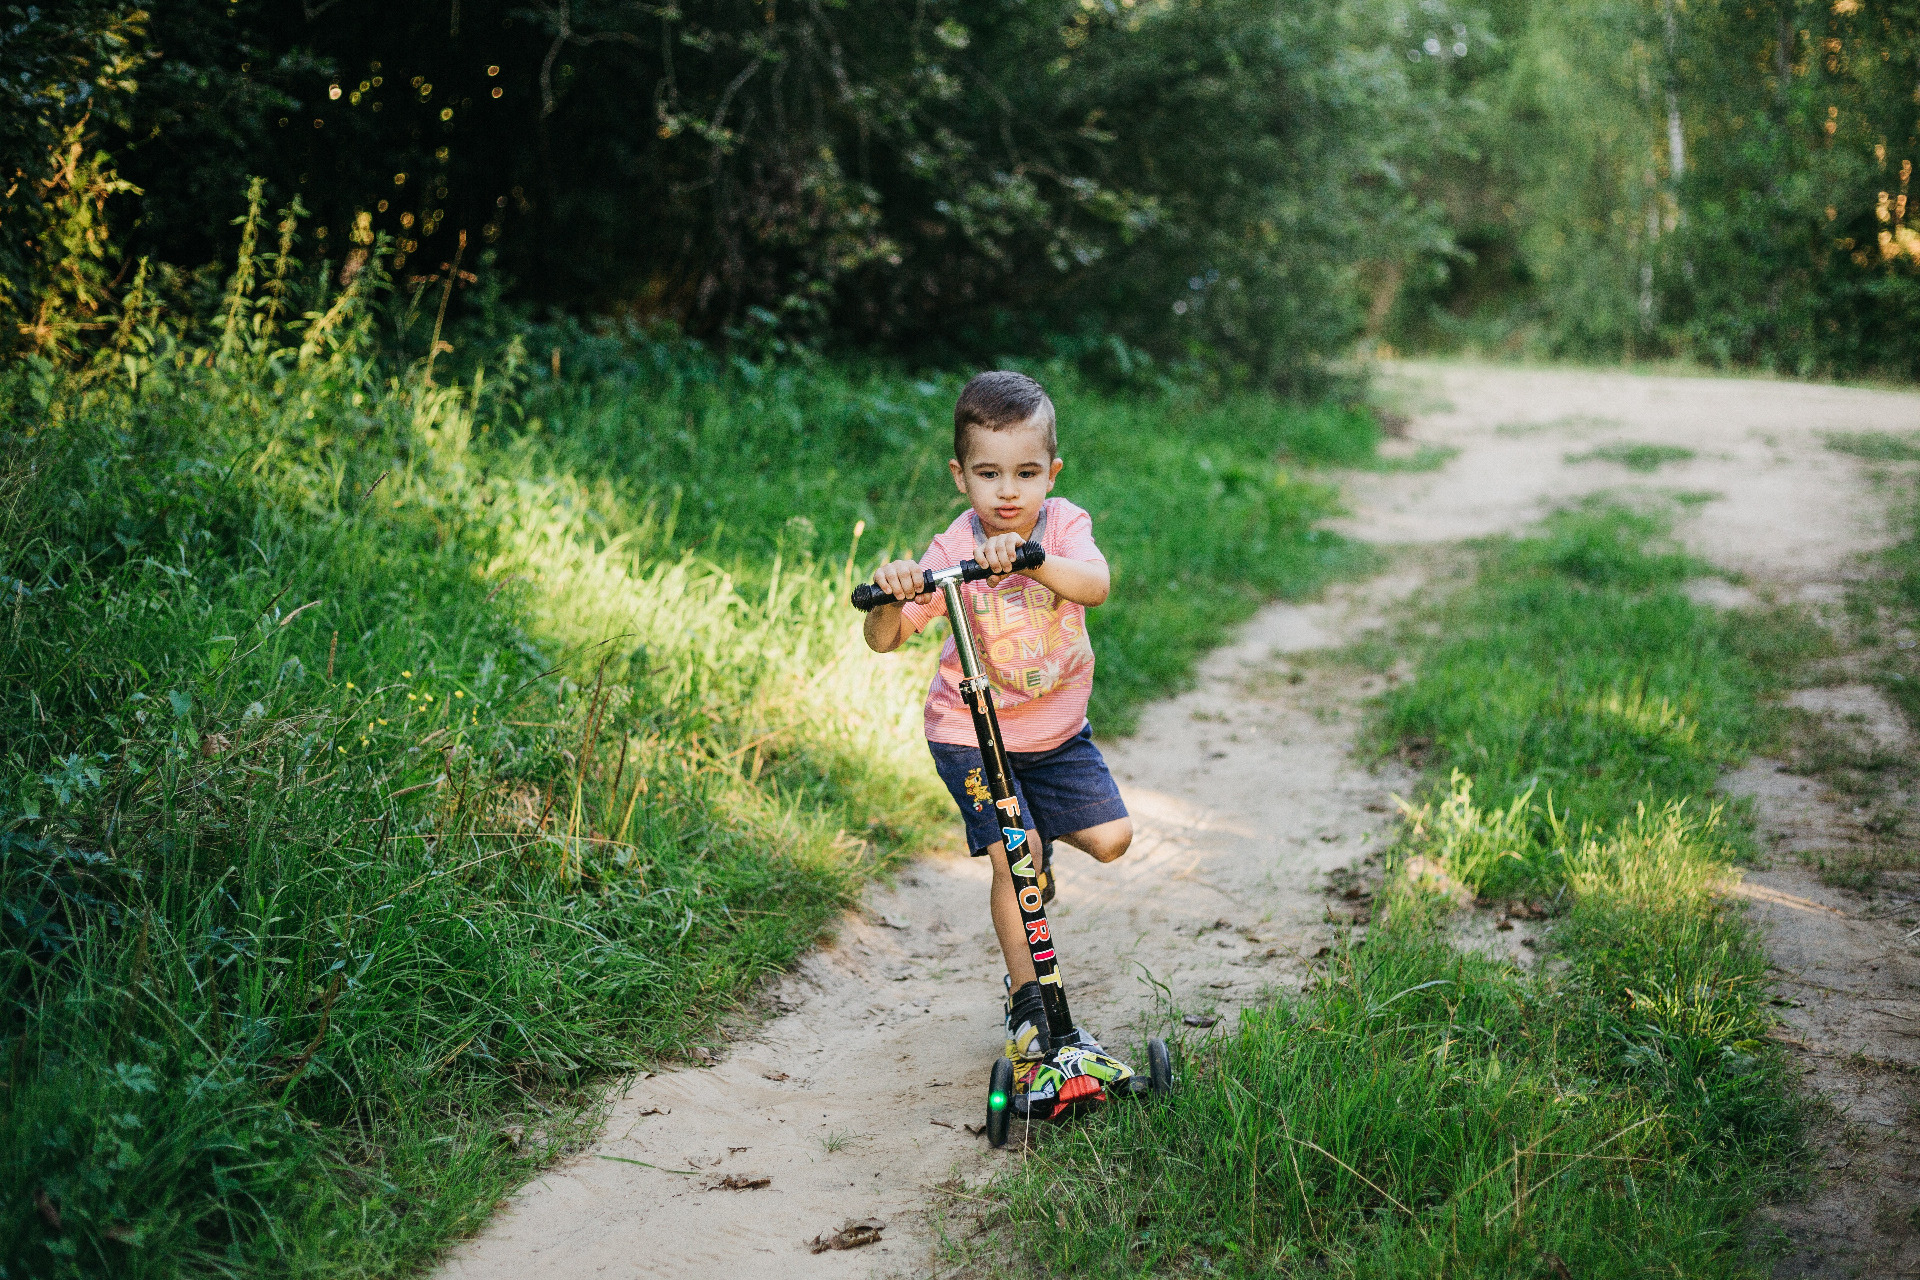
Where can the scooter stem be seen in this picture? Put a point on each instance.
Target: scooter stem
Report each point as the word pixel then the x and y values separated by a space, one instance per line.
pixel 962 625
pixel 977 689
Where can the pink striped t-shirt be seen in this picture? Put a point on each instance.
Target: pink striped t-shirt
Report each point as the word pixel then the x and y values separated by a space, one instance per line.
pixel 1032 644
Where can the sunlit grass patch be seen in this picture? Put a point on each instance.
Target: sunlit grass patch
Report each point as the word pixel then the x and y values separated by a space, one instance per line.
pixel 1616 1111
pixel 1421 1110
pixel 1876 446
pixel 1635 456
pixel 384 764
pixel 792 463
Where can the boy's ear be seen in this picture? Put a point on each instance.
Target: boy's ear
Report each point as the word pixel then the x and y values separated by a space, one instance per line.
pixel 959 476
pixel 1054 474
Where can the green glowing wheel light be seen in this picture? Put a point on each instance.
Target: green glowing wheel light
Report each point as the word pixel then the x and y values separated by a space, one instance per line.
pixel 999 1093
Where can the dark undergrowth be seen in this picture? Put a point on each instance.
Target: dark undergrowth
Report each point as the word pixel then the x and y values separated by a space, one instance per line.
pixel 1613 1112
pixel 383 763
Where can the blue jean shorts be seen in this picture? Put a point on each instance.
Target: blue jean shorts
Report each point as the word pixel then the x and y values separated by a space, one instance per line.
pixel 1061 791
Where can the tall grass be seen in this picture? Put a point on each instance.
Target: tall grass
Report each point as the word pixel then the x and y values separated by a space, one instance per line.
pixel 384 761
pixel 1199 522
pixel 1424 1111
pixel 1576 673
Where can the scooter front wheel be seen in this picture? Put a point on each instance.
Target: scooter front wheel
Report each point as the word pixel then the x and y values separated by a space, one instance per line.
pixel 1000 1102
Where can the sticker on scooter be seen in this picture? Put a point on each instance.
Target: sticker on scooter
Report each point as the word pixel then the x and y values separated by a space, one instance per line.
pixel 1029 900
pixel 1016 836
pixel 1036 932
pixel 1010 806
pixel 1024 867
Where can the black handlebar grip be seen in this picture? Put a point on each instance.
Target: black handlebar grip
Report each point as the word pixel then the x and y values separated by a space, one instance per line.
pixel 868 596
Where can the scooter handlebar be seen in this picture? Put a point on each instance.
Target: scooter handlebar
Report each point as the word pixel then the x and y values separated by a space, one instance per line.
pixel 868 596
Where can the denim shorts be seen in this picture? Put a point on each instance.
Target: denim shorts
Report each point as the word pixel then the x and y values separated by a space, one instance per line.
pixel 1061 791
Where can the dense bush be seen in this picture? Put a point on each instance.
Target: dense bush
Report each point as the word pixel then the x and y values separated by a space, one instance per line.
pixel 1721 181
pixel 1190 182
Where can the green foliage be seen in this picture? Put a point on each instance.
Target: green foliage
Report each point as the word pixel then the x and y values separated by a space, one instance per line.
pixel 1134 186
pixel 1719 182
pixel 1875 446
pixel 385 762
pixel 1645 458
pixel 312 882
pixel 1422 1111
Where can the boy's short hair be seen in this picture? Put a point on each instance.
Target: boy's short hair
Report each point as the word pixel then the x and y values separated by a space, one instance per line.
pixel 998 400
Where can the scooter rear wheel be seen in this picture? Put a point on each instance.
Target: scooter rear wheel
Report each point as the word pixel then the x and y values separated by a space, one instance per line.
pixel 1159 1067
pixel 999 1102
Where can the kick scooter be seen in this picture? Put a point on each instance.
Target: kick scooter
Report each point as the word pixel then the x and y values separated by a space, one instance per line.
pixel 1076 1070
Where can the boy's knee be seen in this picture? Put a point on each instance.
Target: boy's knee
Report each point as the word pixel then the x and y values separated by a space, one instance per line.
pixel 1107 841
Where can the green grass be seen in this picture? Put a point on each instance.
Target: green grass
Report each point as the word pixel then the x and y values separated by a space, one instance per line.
pixel 1428 457
pixel 1635 457
pixel 1876 446
pixel 1875 636
pixel 1576 670
pixel 384 763
pixel 1420 1111
pixel 1199 523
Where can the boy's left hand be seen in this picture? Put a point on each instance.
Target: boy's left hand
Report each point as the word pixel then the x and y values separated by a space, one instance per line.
pixel 997 553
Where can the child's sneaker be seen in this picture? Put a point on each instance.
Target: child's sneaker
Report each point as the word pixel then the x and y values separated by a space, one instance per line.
pixel 1028 1038
pixel 1083 1039
pixel 1044 872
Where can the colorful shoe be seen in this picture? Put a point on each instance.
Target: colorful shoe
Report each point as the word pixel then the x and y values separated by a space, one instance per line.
pixel 1074 1075
pixel 1082 1039
pixel 1028 1039
pixel 1045 873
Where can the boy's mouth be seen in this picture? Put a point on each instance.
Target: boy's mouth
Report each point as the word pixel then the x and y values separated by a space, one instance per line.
pixel 1007 513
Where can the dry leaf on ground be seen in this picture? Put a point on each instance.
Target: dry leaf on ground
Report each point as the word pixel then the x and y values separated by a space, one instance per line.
pixel 851 1235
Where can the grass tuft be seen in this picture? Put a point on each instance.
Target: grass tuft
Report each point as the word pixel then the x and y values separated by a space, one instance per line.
pixel 1635 456
pixel 1423 1111
pixel 382 764
pixel 1875 446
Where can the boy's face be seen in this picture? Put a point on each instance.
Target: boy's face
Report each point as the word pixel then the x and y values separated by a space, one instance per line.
pixel 1006 476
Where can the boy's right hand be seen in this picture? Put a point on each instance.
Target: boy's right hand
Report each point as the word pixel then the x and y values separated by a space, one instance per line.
pixel 903 580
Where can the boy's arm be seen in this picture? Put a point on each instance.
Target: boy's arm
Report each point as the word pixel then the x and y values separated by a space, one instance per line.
pixel 1084 582
pixel 886 627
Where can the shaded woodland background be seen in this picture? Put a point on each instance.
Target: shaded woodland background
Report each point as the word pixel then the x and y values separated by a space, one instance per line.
pixel 436 442
pixel 1236 188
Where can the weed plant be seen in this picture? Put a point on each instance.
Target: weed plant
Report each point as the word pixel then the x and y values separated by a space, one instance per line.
pixel 1875 446
pixel 1199 524
pixel 384 761
pixel 1635 456
pixel 1422 1111
pixel 1577 673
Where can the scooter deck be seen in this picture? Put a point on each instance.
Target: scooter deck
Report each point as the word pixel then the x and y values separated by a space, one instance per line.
pixel 1069 1077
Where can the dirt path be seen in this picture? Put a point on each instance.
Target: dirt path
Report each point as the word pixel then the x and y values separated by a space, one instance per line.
pixel 853 1102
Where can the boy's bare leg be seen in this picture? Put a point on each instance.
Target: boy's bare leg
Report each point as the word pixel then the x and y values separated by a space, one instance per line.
pixel 1105 842
pixel 1006 920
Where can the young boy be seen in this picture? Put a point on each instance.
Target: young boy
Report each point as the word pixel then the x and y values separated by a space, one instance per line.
pixel 1032 630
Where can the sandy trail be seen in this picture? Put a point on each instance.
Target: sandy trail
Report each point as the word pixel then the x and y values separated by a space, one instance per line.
pixel 853 1101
